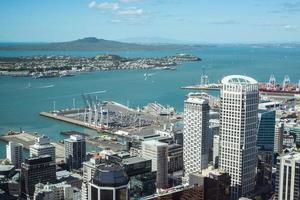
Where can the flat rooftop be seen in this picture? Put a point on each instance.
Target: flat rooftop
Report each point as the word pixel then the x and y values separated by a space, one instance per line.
pixel 133 160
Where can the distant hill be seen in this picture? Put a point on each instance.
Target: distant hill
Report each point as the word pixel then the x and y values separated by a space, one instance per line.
pixel 95 44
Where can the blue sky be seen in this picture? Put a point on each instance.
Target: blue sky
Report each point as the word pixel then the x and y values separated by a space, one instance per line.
pixel 209 21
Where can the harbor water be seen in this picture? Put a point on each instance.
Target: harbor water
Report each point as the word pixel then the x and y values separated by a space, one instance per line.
pixel 22 98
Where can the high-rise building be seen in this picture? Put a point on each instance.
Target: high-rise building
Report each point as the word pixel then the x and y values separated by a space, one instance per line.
pixel 216 151
pixel 266 130
pixel 36 170
pixel 158 153
pixel 89 168
pixel 278 139
pixel 110 182
pixel 238 129
pixel 288 177
pixel 14 153
pixel 42 146
pixel 195 131
pixel 75 151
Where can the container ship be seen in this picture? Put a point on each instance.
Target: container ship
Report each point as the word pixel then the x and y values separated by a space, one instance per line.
pixel 273 88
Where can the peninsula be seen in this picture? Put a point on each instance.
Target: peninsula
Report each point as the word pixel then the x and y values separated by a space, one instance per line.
pixel 53 66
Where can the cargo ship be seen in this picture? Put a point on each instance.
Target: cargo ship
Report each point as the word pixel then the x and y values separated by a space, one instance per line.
pixel 273 88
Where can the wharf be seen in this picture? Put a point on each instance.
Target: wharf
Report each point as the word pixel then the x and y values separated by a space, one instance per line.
pixel 97 141
pixel 27 139
pixel 214 87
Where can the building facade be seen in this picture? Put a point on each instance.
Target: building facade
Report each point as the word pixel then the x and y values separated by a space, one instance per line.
pixel 56 191
pixel 36 170
pixel 266 130
pixel 110 182
pixel 195 131
pixel 75 151
pixel 42 146
pixel 158 153
pixel 278 139
pixel 239 99
pixel 288 177
pixel 14 153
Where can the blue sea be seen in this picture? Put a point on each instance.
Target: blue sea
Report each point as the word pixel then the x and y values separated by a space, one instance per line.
pixel 20 105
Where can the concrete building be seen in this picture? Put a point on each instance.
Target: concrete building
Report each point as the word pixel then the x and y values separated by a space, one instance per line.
pixel 56 191
pixel 42 146
pixel 110 182
pixel 175 158
pixel 9 180
pixel 216 145
pixel 278 139
pixel 158 153
pixel 36 170
pixel 195 135
pixel 238 129
pixel 287 177
pixel 89 168
pixel 14 153
pixel 75 151
pixel 195 192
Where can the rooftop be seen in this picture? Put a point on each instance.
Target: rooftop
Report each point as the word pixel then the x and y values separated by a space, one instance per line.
pixel 133 160
pixel 238 80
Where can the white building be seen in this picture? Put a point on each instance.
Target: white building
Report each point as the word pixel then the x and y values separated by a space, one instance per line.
pixel 216 145
pixel 42 146
pixel 239 99
pixel 53 191
pixel 89 168
pixel 287 177
pixel 158 153
pixel 14 153
pixel 195 135
pixel 278 138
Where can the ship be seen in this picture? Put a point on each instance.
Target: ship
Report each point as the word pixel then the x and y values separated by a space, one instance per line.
pixel 273 88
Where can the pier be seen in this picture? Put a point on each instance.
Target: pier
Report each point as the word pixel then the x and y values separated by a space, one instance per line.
pixel 213 87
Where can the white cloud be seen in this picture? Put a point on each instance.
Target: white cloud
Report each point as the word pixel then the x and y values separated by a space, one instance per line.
pixel 93 4
pixel 129 1
pixel 108 6
pixel 131 11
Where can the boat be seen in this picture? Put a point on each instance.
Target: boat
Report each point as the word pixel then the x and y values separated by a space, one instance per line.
pixel 66 74
pixel 168 68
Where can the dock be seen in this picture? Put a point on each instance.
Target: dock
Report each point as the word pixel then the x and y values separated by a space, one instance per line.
pixel 212 87
pixel 27 139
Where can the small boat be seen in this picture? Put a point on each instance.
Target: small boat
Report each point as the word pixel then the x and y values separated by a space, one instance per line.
pixel 168 68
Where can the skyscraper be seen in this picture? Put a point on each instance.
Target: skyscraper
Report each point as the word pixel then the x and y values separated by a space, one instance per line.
pixel 75 151
pixel 158 153
pixel 14 153
pixel 36 170
pixel 195 130
pixel 238 128
pixel 110 182
pixel 266 130
pixel 42 146
pixel 216 151
pixel 288 177
pixel 278 139
pixel 89 168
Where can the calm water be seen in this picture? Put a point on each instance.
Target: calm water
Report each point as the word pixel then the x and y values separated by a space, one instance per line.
pixel 20 105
